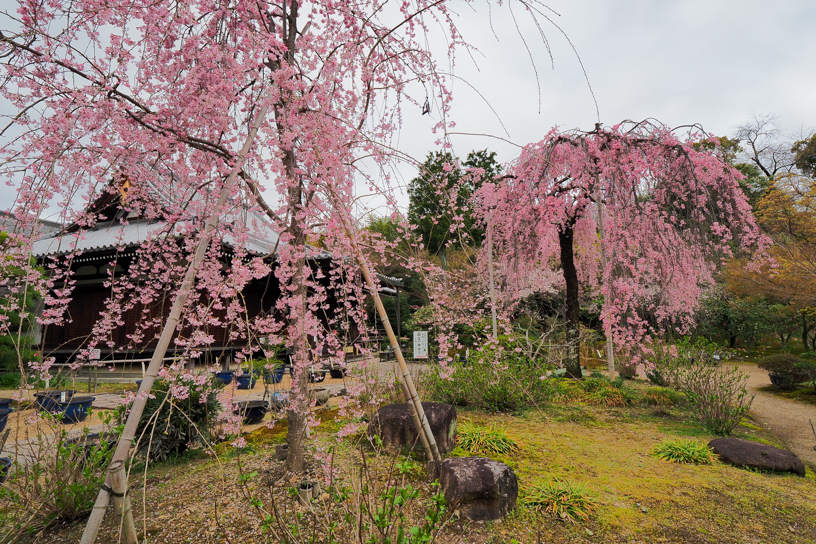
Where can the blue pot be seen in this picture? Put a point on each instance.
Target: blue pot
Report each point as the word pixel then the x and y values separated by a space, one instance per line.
pixel 253 411
pixel 245 381
pixel 4 413
pixel 48 400
pixel 75 410
pixel 5 465
pixel 225 376
pixel 278 401
pixel 5 403
pixel 274 376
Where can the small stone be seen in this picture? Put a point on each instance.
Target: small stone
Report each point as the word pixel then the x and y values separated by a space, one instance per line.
pixel 644 509
pixel 791 529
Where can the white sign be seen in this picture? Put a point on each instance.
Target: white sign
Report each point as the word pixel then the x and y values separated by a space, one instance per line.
pixel 420 344
pixel 95 354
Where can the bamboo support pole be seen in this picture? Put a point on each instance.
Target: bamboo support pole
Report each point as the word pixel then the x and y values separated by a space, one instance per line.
pixel 121 501
pixel 409 390
pixel 132 423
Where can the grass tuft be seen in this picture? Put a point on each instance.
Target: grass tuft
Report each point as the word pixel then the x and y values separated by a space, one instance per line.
pixel 689 452
pixel 561 499
pixel 485 441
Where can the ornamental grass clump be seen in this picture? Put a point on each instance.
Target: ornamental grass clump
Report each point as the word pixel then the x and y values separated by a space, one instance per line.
pixel 561 499
pixel 679 450
pixel 487 441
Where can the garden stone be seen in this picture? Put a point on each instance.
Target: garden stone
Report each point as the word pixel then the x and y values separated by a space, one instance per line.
pixel 395 426
pixel 481 489
pixel 744 453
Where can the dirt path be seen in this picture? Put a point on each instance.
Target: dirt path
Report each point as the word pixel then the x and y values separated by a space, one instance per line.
pixel 786 418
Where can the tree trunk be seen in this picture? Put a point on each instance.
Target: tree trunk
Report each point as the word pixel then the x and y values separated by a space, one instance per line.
pixel 573 361
pixel 298 394
pixel 805 330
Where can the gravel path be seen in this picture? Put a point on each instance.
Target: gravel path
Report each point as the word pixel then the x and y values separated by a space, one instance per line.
pixel 786 418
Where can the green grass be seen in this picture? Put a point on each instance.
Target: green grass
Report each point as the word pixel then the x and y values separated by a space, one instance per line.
pixel 487 441
pixel 561 499
pixel 680 450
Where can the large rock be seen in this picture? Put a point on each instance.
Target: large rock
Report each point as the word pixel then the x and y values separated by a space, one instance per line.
pixel 744 453
pixel 395 426
pixel 481 489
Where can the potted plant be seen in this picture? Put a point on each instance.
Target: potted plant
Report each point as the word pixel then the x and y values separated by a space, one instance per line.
pixel 46 400
pixel 253 411
pixel 4 413
pixel 225 376
pixel 273 370
pixel 5 467
pixel 74 409
pixel 245 381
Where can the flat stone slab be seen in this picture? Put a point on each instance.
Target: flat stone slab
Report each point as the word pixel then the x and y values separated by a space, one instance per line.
pixel 395 426
pixel 480 488
pixel 744 453
pixel 107 401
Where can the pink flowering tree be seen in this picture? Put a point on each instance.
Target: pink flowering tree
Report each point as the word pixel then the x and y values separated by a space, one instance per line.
pixel 671 215
pixel 272 104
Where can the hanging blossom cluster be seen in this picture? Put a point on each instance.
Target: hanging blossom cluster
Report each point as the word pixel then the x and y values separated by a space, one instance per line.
pixel 671 215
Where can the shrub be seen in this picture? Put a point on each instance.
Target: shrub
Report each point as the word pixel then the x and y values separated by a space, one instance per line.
pixel 58 482
pixel 718 396
pixel 170 425
pixel 487 441
pixel 684 451
pixel 561 499
pixel 789 369
pixel 491 387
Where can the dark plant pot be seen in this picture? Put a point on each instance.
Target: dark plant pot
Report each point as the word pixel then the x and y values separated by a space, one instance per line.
pixel 337 373
pixel 305 493
pixel 321 395
pixel 225 376
pixel 5 467
pixel 5 403
pixel 317 376
pixel 281 451
pixel 86 443
pixel 48 400
pixel 274 376
pixel 253 411
pixel 4 413
pixel 245 381
pixel 139 384
pixel 74 410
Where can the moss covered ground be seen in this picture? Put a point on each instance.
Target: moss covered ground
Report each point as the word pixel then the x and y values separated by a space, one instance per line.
pixel 639 497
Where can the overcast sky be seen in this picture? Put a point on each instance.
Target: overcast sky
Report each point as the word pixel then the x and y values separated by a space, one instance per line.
pixel 713 62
